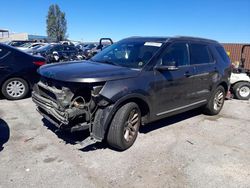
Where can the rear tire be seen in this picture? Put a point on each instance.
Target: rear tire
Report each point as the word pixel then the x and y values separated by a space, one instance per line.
pixel 215 102
pixel 124 127
pixel 242 90
pixel 15 88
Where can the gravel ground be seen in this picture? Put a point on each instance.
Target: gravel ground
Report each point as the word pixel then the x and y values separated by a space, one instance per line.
pixel 187 150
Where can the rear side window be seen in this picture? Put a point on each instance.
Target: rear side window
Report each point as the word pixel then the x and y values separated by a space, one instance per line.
pixel 200 54
pixel 222 53
pixel 3 52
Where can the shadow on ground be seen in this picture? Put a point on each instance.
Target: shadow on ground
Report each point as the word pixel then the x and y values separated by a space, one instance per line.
pixel 169 121
pixel 82 137
pixel 68 137
pixel 4 133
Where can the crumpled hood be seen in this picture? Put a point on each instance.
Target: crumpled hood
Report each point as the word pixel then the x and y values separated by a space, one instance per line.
pixel 86 71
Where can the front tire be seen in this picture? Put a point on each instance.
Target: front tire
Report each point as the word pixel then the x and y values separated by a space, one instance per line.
pixel 124 127
pixel 215 102
pixel 242 90
pixel 15 88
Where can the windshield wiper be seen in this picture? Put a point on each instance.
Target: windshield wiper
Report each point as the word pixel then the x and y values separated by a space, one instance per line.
pixel 107 62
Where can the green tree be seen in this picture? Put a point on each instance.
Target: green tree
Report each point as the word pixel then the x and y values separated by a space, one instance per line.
pixel 56 23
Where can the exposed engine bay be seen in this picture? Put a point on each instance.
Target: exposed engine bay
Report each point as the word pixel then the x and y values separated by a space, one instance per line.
pixel 66 107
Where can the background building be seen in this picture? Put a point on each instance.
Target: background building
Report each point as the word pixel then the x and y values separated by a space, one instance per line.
pixel 234 50
pixel 6 36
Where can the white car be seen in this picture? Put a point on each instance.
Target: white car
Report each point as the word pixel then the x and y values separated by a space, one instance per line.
pixel 240 85
pixel 27 46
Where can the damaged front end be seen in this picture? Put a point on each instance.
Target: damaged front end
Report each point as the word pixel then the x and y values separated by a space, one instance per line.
pixel 69 106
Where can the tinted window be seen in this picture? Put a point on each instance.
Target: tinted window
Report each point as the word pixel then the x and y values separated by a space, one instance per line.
pixel 222 53
pixel 200 54
pixel 90 46
pixel 46 47
pixel 175 55
pixel 69 48
pixel 57 48
pixel 3 52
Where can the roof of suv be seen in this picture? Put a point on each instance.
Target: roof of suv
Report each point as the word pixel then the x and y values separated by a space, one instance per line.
pixel 165 39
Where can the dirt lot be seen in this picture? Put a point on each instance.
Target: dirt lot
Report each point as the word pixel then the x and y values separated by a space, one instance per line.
pixel 188 150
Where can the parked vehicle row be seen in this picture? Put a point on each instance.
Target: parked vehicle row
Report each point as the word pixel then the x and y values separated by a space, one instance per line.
pixel 62 51
pixel 59 52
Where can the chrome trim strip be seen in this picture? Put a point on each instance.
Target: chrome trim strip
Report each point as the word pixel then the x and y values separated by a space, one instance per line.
pixel 182 107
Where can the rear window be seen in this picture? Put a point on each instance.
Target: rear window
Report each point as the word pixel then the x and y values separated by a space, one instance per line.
pixel 200 54
pixel 222 53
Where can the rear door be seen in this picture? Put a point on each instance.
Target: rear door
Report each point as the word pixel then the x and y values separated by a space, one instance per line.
pixel 205 67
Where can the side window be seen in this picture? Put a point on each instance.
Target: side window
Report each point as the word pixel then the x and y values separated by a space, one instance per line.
pixel 67 48
pixel 3 52
pixel 200 54
pixel 72 48
pixel 175 55
pixel 57 48
pixel 222 53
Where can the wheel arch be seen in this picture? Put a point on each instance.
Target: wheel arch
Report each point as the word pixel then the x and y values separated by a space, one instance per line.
pixel 224 85
pixel 242 81
pixel 104 116
pixel 142 104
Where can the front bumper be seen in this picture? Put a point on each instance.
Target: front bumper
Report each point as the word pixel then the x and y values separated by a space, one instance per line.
pixel 56 106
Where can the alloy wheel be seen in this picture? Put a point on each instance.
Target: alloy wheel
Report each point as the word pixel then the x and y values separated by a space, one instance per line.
pixel 131 125
pixel 218 100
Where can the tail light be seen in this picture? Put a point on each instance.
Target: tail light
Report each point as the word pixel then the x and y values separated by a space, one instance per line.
pixel 39 63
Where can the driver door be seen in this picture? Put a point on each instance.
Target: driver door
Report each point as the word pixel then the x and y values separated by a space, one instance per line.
pixel 173 88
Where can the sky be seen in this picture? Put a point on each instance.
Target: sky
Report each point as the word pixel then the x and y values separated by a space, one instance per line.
pixel 221 20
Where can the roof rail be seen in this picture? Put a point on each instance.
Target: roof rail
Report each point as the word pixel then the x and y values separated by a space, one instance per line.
pixel 195 38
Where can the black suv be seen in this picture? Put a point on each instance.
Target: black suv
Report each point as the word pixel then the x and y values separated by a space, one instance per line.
pixel 131 83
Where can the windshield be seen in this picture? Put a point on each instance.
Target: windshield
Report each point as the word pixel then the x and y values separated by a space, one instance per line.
pixel 128 53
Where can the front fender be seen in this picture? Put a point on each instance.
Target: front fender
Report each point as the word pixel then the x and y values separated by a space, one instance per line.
pixel 104 116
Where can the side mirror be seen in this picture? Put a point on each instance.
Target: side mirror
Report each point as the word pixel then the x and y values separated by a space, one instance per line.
pixel 170 66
